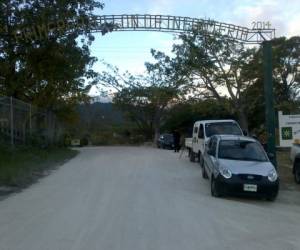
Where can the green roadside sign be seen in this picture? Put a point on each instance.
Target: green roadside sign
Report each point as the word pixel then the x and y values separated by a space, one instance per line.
pixel 287 133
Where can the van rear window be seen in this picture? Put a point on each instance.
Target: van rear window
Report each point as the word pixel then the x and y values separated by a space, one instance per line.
pixel 222 128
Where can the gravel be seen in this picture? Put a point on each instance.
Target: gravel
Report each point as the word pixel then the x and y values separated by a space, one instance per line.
pixel 140 198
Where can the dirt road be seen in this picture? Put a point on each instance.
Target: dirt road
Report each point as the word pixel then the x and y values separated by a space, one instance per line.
pixel 130 198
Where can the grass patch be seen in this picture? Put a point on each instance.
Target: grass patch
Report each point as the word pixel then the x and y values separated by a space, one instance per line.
pixel 23 165
pixel 283 158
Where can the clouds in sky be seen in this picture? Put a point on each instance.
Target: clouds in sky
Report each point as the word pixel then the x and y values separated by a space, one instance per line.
pixel 129 50
pixel 283 14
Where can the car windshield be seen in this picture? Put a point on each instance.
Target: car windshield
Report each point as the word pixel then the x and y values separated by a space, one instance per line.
pixel 227 128
pixel 241 150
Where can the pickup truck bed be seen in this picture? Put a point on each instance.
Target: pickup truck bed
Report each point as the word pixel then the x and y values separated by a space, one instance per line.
pixel 188 142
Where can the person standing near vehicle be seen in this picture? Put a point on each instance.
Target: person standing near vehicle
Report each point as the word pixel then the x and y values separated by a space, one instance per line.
pixel 176 136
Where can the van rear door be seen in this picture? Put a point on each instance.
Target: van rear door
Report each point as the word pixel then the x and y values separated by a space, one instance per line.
pixel 201 139
pixel 195 138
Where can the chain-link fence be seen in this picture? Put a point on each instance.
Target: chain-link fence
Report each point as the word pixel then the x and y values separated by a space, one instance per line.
pixel 23 123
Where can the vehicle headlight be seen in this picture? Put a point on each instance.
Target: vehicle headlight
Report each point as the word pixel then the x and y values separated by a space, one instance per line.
pixel 226 173
pixel 272 175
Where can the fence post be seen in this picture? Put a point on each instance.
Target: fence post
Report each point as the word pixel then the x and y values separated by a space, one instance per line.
pixel 11 122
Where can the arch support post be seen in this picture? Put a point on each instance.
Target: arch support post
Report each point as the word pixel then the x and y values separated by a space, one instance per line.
pixel 269 100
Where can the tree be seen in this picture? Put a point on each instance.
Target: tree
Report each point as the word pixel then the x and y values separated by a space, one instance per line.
pixel 144 105
pixel 286 78
pixel 216 65
pixel 50 70
pixel 44 54
pixel 183 115
pixel 168 86
pixel 286 58
pixel 146 99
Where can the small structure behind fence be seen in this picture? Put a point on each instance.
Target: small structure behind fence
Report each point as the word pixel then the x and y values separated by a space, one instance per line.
pixel 23 123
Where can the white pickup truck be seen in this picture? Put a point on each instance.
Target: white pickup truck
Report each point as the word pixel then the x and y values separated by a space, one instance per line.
pixel 295 158
pixel 203 130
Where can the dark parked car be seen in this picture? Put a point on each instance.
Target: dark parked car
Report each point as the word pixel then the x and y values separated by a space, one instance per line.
pixel 166 141
pixel 295 157
pixel 239 165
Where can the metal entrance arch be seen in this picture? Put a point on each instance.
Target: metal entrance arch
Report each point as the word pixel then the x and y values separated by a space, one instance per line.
pixel 166 23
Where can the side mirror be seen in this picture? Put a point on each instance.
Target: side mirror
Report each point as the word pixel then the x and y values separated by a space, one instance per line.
pixel 245 133
pixel 254 137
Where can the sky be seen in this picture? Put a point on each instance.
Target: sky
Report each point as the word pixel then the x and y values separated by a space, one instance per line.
pixel 130 50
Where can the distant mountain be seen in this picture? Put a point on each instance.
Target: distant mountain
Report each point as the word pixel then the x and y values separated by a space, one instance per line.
pixel 101 99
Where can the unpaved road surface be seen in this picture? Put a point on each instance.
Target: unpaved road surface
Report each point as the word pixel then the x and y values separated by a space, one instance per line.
pixel 130 198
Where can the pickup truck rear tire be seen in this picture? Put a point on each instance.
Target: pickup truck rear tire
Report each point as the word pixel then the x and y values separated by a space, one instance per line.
pixel 297 172
pixel 192 156
pixel 271 197
pixel 199 157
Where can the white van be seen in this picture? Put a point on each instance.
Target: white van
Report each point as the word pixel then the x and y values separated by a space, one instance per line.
pixel 203 130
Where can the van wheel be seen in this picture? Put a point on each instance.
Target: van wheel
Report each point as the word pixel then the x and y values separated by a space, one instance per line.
pixel 297 173
pixel 215 192
pixel 204 174
pixel 202 162
pixel 192 156
pixel 199 157
pixel 271 197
